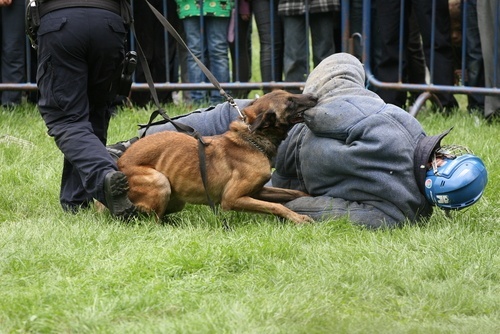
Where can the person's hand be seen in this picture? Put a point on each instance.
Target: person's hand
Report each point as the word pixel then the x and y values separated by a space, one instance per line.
pixel 5 2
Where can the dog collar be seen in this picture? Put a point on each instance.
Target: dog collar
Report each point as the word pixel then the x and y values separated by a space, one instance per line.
pixel 259 147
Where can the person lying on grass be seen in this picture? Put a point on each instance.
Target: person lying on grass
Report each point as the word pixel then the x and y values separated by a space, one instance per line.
pixel 357 156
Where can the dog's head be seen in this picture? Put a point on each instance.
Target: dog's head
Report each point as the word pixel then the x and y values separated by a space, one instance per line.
pixel 278 110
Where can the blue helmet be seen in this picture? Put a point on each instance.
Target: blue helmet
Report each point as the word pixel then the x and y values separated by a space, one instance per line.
pixel 457 178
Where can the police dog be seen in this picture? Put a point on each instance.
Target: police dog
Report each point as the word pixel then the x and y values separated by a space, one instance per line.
pixel 163 169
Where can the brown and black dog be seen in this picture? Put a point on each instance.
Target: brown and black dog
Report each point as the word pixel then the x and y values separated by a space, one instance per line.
pixel 163 169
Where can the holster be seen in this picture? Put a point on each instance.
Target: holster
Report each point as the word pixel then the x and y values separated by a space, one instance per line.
pixel 32 21
pixel 128 67
pixel 122 79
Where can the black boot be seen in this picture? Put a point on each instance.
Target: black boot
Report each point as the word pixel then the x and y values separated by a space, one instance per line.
pixel 116 150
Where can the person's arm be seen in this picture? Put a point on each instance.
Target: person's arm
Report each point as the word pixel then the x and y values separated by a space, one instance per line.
pixel 208 121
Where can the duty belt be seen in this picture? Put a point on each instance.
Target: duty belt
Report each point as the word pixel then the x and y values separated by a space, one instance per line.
pixel 51 5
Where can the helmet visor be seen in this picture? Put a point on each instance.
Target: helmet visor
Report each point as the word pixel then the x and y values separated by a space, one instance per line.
pixel 449 152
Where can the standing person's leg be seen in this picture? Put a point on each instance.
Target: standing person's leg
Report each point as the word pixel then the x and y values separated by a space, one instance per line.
pixel 488 12
pixel 144 32
pixel 171 54
pixel 241 54
pixel 218 52
pixel 72 98
pixel 356 25
pixel 416 69
pixel 295 52
pixel 386 66
pixel 270 30
pixel 192 30
pixel 416 57
pixel 323 43
pixel 442 71
pixel 151 35
pixel 474 58
pixel 182 56
pixel 13 55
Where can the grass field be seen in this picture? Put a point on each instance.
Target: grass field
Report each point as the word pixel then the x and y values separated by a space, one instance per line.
pixel 89 273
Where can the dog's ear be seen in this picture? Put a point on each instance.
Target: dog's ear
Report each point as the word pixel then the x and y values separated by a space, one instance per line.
pixel 263 120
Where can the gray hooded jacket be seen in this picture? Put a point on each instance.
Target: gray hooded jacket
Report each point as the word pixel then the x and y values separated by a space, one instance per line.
pixel 355 154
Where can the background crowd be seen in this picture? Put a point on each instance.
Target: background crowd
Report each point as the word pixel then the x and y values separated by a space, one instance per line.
pixel 432 45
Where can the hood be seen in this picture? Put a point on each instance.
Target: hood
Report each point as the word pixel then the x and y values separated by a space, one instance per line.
pixel 425 147
pixel 343 100
pixel 336 75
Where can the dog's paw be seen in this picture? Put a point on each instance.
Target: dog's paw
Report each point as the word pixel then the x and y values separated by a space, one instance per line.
pixel 302 219
pixel 100 207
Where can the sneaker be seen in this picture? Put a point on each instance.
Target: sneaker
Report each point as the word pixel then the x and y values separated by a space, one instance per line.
pixel 115 192
pixel 116 150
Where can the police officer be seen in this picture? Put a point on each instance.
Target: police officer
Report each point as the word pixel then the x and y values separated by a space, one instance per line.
pixel 81 46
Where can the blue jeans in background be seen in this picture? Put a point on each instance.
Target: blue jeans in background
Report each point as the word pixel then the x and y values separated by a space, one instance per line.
pixel 212 49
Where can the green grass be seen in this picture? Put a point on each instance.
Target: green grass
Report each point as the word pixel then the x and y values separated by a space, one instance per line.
pixel 89 273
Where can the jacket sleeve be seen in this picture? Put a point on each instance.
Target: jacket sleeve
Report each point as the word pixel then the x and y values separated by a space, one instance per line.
pixel 208 121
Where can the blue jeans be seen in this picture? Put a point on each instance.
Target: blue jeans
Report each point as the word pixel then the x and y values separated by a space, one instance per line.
pixel 296 62
pixel 212 49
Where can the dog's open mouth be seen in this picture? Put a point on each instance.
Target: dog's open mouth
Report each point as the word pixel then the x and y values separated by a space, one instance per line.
pixel 297 118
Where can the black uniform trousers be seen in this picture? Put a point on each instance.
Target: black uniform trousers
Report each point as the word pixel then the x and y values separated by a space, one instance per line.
pixel 80 50
pixel 388 19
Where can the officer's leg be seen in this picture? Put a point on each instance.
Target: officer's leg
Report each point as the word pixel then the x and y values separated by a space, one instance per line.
pixel 64 105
